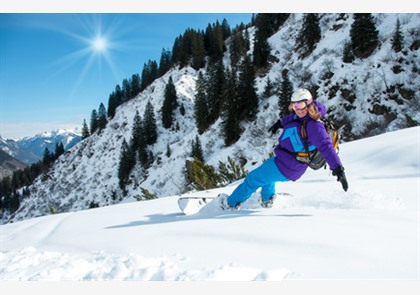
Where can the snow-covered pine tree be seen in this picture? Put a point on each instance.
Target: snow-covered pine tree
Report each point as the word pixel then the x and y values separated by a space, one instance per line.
pixel 309 35
pixel 397 38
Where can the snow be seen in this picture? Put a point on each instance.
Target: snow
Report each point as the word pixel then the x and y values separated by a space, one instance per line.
pixel 319 234
pixel 370 232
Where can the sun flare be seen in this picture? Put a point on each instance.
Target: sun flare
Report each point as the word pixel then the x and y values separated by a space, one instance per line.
pixel 96 47
pixel 99 44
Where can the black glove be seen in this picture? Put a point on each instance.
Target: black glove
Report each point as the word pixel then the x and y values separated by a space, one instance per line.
pixel 273 129
pixel 341 177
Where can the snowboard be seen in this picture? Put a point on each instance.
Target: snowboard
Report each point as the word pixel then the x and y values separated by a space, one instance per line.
pixel 192 205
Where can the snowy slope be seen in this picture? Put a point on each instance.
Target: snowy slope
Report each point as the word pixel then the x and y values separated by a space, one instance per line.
pixel 321 232
pixel 86 175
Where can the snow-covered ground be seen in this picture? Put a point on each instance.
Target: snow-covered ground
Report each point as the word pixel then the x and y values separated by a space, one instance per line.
pixel 319 233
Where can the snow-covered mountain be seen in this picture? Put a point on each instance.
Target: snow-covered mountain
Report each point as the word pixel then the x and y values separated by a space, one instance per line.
pixel 31 149
pixel 87 174
pixel 13 149
pixel 38 143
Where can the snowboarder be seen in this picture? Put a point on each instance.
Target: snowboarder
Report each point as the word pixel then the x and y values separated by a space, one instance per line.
pixel 285 166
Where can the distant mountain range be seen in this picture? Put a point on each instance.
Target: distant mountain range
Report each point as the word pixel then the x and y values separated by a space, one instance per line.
pixel 38 143
pixel 8 165
pixel 30 150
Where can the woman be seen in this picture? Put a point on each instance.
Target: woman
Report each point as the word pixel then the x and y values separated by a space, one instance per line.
pixel 284 166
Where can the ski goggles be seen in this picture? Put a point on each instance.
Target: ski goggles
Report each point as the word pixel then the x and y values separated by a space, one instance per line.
pixel 299 105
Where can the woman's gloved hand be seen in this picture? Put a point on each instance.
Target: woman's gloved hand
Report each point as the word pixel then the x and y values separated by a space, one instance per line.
pixel 341 177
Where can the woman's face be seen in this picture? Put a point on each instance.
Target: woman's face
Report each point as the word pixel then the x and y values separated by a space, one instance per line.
pixel 302 112
pixel 300 108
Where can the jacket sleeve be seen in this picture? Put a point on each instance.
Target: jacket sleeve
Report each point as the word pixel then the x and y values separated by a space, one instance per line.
pixel 318 136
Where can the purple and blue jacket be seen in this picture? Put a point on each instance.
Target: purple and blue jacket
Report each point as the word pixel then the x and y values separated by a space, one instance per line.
pixel 290 142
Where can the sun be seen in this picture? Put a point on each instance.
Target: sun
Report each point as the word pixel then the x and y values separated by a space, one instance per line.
pixel 99 44
pixel 96 46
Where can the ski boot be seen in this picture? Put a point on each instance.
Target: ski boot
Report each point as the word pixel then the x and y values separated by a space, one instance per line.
pixel 268 203
pixel 224 205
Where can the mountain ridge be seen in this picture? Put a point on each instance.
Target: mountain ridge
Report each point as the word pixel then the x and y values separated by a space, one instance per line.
pixel 30 149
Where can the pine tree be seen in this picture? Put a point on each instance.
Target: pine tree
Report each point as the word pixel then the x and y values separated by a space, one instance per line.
pixel 169 104
pixel 149 74
pixel 135 85
pixel 348 56
pixel 197 150
pixel 5 188
pixel 215 91
pixel 177 51
pixel 247 91
pixel 232 113
pixel 197 51
pixel 138 143
pixel 165 62
pixel 309 35
pixel 214 42
pixel 137 133
pixel 200 106
pixel 47 158
pixel 268 88
pixel 220 45
pixel 226 31
pixel 397 38
pixel 126 90
pixel 286 91
pixel 247 42
pixel 364 35
pixel 149 125
pixel 127 162
pixel 102 119
pixel 115 100
pixel 237 48
pixel 85 130
pixel 93 121
pixel 112 105
pixel 261 46
pixel 59 150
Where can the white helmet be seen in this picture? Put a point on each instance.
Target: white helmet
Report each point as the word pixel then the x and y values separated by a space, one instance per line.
pixel 301 95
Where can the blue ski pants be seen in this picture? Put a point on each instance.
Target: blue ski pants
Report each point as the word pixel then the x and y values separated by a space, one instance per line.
pixel 264 176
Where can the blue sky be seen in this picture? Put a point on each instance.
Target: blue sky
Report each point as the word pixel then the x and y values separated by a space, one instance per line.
pixel 57 67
